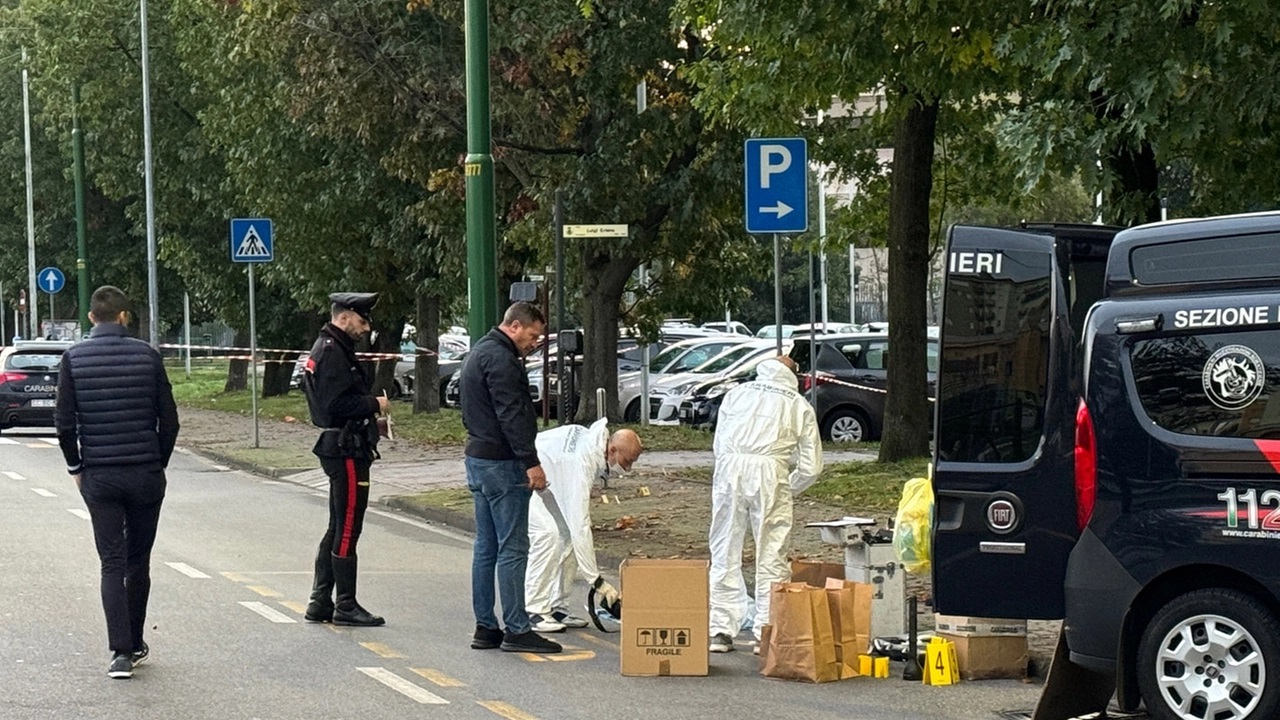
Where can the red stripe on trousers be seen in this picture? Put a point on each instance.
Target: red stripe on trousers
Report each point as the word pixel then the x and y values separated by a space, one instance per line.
pixel 349 521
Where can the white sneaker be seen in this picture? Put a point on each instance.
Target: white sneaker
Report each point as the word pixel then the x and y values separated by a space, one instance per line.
pixel 545 625
pixel 721 643
pixel 569 621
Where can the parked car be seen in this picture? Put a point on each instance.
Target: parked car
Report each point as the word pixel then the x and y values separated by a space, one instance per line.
pixel 771 331
pixel 451 357
pixel 729 328
pixel 700 406
pixel 666 395
pixel 678 357
pixel 852 382
pixel 29 382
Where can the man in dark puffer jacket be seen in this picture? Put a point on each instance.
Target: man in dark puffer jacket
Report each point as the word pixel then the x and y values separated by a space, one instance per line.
pixel 117 425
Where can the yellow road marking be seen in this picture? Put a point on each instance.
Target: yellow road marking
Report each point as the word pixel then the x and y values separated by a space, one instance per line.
pixel 510 712
pixel 571 654
pixel 381 649
pixel 593 639
pixel 265 591
pixel 237 577
pixel 438 677
pixel 294 605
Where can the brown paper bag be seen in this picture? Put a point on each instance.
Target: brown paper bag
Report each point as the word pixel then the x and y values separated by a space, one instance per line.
pixel 815 573
pixel 850 607
pixel 801 645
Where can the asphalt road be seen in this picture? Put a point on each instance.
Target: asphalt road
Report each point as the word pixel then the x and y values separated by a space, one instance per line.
pixel 231 574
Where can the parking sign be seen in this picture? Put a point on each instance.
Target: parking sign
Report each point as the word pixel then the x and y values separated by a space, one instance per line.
pixel 777 198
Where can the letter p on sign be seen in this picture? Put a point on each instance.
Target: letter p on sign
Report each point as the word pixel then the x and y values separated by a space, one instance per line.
pixel 774 159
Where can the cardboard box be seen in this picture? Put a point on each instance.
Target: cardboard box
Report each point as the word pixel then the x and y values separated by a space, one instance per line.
pixel 815 573
pixel 987 648
pixel 665 617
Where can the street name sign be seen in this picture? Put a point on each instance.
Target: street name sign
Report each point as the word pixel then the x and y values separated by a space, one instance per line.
pixel 251 240
pixel 595 231
pixel 777 197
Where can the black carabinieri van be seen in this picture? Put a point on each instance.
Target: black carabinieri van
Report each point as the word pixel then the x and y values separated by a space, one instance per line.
pixel 1108 451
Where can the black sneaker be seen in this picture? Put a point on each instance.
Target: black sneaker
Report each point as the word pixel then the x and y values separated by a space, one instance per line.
pixel 486 638
pixel 140 656
pixel 121 667
pixel 529 642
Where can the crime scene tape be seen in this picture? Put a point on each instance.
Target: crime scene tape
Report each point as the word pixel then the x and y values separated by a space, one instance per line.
pixel 825 379
pixel 243 352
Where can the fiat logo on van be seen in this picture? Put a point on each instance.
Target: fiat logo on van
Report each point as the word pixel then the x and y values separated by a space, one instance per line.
pixel 1233 377
pixel 1002 516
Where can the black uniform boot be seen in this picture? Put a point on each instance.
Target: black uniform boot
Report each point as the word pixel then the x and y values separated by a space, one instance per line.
pixel 320 609
pixel 347 611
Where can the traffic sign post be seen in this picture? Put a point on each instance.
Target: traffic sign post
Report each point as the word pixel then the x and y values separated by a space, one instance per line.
pixel 252 242
pixel 776 172
pixel 51 280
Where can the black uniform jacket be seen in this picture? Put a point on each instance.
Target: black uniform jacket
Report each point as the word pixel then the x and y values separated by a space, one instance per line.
pixel 497 408
pixel 338 397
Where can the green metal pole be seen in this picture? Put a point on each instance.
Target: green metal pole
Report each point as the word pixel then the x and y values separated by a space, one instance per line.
pixel 82 253
pixel 482 268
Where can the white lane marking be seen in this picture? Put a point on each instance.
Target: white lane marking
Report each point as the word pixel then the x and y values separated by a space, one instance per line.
pixel 80 513
pixel 402 686
pixel 13 475
pixel 222 468
pixel 187 570
pixel 8 441
pixel 42 492
pixel 51 441
pixel 269 613
pixel 422 525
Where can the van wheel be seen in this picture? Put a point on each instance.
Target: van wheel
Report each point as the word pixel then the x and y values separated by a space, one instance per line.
pixel 1211 654
pixel 632 415
pixel 846 425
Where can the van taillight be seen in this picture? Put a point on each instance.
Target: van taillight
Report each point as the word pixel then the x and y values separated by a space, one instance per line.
pixel 1086 466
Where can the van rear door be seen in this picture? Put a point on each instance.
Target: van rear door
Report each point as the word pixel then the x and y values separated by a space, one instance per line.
pixel 1005 515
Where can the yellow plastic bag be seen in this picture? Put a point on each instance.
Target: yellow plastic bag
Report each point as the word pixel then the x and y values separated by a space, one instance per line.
pixel 912 536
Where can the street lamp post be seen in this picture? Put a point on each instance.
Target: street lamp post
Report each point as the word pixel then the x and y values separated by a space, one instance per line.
pixel 482 268
pixel 153 298
pixel 31 213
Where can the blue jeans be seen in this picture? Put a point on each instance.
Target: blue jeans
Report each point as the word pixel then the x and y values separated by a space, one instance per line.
pixel 501 492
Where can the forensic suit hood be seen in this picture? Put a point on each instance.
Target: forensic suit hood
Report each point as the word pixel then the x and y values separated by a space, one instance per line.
pixel 767 448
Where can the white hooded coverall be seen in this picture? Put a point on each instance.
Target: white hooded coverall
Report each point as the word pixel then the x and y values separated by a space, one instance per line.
pixel 765 429
pixel 573 457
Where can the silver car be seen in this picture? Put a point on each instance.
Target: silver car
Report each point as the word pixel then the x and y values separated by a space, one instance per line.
pixel 678 358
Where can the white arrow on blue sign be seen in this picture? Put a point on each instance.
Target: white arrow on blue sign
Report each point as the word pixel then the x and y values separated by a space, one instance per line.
pixel 51 280
pixel 251 240
pixel 777 197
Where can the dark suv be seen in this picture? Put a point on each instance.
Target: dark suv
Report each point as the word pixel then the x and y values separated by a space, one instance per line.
pixel 29 383
pixel 1108 452
pixel 852 382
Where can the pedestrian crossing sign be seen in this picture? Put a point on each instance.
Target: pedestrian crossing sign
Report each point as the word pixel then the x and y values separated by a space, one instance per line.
pixel 251 240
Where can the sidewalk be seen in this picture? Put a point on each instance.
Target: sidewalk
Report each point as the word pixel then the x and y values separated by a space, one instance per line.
pixel 405 468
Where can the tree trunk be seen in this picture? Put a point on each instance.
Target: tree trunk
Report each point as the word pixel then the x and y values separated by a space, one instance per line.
pixel 906 413
pixel 277 373
pixel 426 388
pixel 238 370
pixel 604 277
pixel 384 376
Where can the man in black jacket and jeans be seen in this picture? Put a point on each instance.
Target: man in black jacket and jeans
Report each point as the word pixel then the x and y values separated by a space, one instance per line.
pixel 502 472
pixel 117 425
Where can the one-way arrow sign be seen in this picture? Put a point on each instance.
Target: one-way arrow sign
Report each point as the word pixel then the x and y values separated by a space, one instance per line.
pixel 51 280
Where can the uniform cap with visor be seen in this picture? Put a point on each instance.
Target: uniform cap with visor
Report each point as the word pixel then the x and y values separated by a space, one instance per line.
pixel 359 303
